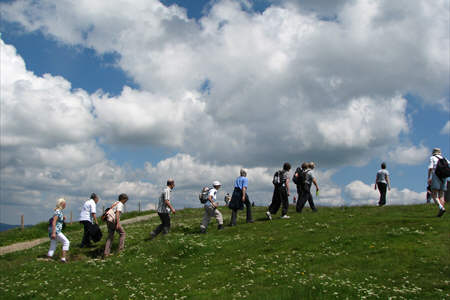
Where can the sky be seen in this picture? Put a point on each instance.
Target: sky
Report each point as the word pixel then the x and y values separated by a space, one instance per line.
pixel 117 96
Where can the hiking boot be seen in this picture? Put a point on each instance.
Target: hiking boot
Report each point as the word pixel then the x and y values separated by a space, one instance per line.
pixel 441 212
pixel 269 216
pixel 203 230
pixel 285 217
pixel 220 227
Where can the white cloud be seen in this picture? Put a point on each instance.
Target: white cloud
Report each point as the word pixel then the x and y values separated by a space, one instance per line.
pixel 446 128
pixel 409 155
pixel 359 193
pixel 281 85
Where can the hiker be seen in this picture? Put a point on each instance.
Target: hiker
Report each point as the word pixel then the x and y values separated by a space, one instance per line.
pixel 382 182
pixel 164 208
pixel 280 192
pixel 55 231
pixel 438 185
pixel 239 198
pixel 211 209
pixel 87 218
pixel 305 189
pixel 113 224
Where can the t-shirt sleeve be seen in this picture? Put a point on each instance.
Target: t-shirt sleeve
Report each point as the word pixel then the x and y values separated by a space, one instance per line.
pixel 166 195
pixel 431 165
pixel 245 182
pixel 93 208
pixel 120 207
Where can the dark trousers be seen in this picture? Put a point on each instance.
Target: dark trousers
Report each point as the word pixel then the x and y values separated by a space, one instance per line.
pixel 382 187
pixel 164 227
pixel 280 197
pixel 303 196
pixel 248 207
pixel 86 235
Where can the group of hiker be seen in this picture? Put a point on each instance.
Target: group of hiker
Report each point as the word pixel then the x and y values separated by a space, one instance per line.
pixel 303 178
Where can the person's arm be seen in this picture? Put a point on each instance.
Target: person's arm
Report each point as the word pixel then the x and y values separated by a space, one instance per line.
pixel 287 185
pixel 430 171
pixel 94 217
pixel 375 183
pixel 315 183
pixel 210 198
pixel 244 190
pixel 117 219
pixel 55 218
pixel 170 206
pixel 388 181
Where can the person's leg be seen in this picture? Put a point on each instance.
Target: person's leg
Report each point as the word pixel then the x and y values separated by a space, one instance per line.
pixel 166 223
pixel 382 188
pixel 122 235
pixel 233 217
pixel 219 218
pixel 65 244
pixel 248 207
pixel 206 218
pixel 311 201
pixel 284 202
pixel 86 241
pixel 52 248
pixel 111 229
pixel 300 201
pixel 158 228
pixel 276 201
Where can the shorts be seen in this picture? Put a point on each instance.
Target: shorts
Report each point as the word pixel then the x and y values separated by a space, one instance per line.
pixel 437 184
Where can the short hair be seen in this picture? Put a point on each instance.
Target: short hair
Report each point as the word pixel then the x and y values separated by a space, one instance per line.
pixel 286 166
pixel 383 165
pixel 304 166
pixel 93 196
pixel 170 181
pixel 311 165
pixel 59 203
pixel 123 197
pixel 243 172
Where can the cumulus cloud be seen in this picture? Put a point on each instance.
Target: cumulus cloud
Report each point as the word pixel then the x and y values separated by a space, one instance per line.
pixel 234 88
pixel 360 193
pixel 409 155
pixel 446 128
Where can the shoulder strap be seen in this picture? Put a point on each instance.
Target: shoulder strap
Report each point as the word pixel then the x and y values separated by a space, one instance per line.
pixel 115 203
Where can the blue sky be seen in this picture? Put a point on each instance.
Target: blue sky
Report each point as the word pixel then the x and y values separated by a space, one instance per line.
pixel 118 104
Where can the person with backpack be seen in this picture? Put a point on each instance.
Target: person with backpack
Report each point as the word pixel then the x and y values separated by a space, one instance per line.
pixel 306 179
pixel 164 208
pixel 280 192
pixel 87 218
pixel 438 171
pixel 113 224
pixel 56 224
pixel 299 180
pixel 239 198
pixel 211 209
pixel 383 183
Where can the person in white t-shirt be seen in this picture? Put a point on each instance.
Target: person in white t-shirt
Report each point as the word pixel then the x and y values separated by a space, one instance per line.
pixel 437 185
pixel 87 218
pixel 383 183
pixel 211 209
pixel 113 224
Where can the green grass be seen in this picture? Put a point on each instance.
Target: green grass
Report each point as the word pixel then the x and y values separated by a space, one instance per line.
pixel 394 252
pixel 40 230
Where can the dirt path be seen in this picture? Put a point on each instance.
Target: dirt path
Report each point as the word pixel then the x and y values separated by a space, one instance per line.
pixel 30 244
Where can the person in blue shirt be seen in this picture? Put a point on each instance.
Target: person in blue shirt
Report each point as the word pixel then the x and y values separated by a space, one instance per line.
pixel 239 198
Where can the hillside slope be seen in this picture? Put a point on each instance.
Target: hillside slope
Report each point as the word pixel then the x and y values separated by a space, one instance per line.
pixel 359 252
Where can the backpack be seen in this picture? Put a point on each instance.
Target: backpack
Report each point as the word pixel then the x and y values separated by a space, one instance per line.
pixel 109 214
pixel 204 194
pixel 442 169
pixel 277 178
pixel 296 179
pixel 301 179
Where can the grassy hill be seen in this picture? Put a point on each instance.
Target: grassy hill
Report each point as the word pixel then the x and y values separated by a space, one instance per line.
pixel 397 252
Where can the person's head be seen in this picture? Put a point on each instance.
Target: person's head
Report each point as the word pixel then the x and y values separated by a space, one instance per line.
pixel 311 165
pixel 216 184
pixel 286 166
pixel 123 198
pixel 304 166
pixel 60 203
pixel 94 197
pixel 243 173
pixel 436 151
pixel 171 183
pixel 383 165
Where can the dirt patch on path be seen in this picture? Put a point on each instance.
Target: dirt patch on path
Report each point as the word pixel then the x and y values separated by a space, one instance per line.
pixel 30 244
